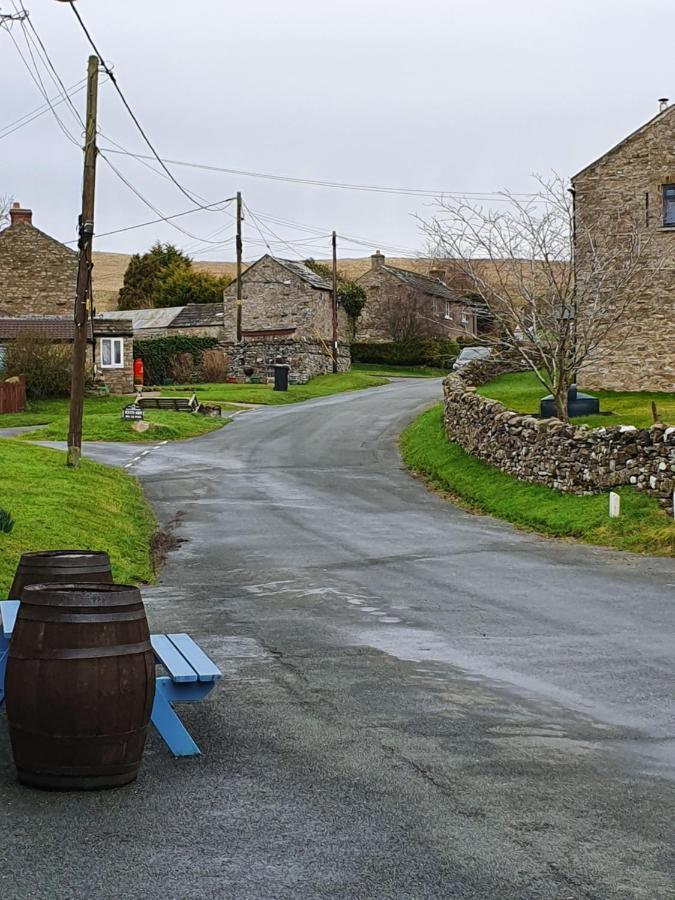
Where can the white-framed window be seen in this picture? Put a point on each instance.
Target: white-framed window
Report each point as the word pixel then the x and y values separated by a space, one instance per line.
pixel 447 309
pixel 669 205
pixel 112 353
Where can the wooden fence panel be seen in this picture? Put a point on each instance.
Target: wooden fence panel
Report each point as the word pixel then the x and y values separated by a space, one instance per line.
pixel 13 395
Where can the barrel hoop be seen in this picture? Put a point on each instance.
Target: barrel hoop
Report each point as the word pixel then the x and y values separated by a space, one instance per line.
pixel 84 738
pixel 63 598
pixel 48 614
pixel 81 653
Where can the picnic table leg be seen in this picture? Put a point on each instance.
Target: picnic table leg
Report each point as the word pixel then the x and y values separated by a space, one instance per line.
pixel 166 721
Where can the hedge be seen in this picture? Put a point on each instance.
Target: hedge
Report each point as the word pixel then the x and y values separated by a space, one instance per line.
pixel 440 353
pixel 157 353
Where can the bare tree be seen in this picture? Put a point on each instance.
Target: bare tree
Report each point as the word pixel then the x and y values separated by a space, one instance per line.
pixel 520 260
pixel 5 206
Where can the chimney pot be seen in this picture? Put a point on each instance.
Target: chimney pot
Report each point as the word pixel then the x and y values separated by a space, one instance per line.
pixel 663 103
pixel 19 216
pixel 377 260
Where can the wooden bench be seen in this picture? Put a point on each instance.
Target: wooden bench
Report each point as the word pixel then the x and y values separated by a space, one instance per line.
pixel 175 404
pixel 191 677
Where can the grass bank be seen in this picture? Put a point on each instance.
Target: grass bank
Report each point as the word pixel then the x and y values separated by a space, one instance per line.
pixel 321 386
pixel 90 508
pixel 399 371
pixel 522 393
pixel 642 528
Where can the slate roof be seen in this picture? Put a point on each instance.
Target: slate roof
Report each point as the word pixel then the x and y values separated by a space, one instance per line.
pixel 147 318
pixel 302 271
pixel 424 283
pixel 56 328
pixel 199 315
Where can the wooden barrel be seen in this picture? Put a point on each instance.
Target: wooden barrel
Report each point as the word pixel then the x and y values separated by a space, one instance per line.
pixel 64 566
pixel 79 686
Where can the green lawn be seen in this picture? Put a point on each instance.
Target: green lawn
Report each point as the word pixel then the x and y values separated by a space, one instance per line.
pixel 103 422
pixel 321 386
pixel 522 393
pixel 643 527
pixel 399 371
pixel 57 508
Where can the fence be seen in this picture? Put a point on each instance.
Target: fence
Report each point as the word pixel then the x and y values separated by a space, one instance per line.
pixel 13 395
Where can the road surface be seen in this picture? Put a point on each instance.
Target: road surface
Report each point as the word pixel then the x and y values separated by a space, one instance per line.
pixel 419 702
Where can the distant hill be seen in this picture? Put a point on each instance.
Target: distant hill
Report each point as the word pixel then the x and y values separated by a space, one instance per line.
pixel 109 269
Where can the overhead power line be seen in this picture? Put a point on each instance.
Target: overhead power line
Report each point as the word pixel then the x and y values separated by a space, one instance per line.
pixel 34 114
pixel 134 118
pixel 413 192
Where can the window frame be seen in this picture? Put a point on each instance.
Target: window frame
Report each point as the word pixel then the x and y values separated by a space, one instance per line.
pixel 668 200
pixel 448 310
pixel 113 341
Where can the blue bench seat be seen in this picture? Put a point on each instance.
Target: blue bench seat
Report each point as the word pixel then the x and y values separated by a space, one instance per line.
pixel 192 675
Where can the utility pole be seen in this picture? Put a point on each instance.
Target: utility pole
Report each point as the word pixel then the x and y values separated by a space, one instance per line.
pixel 335 306
pixel 239 253
pixel 84 295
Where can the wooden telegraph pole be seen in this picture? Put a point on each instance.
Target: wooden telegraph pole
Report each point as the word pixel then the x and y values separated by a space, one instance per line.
pixel 335 306
pixel 84 298
pixel 239 254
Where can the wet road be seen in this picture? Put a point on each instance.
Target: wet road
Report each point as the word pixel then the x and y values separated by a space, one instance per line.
pixel 418 702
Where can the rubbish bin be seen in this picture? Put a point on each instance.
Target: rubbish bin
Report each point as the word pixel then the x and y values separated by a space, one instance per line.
pixel 281 371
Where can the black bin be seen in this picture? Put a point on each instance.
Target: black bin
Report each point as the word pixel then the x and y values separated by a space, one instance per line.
pixel 281 371
pixel 578 404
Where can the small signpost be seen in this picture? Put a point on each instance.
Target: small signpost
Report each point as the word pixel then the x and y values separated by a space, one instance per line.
pixel 132 413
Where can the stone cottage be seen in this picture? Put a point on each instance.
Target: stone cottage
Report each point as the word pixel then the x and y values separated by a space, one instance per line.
pixel 38 283
pixel 286 314
pixel 110 357
pixel 402 304
pixel 635 181
pixel 38 275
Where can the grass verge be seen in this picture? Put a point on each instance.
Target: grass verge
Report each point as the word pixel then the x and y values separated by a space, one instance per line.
pixel 522 393
pixel 399 371
pixel 165 426
pixel 90 508
pixel 321 386
pixel 642 528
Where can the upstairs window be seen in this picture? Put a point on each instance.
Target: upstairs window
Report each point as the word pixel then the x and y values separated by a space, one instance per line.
pixel 447 309
pixel 669 205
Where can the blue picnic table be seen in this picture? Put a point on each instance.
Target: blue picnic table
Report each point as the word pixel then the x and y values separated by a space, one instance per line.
pixel 191 677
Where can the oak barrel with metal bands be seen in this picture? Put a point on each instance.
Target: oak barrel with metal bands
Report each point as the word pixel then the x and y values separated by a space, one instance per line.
pixel 63 566
pixel 80 685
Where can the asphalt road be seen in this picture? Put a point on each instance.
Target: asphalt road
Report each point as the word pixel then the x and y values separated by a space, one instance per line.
pixel 419 703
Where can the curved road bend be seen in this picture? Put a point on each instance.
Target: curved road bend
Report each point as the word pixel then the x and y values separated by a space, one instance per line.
pixel 419 703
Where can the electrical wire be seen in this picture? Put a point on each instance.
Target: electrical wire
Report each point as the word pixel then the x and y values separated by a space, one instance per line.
pixel 34 114
pixel 141 130
pixel 143 199
pixel 491 196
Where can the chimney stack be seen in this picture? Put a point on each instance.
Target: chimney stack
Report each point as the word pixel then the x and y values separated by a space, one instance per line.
pixel 438 273
pixel 663 104
pixel 377 260
pixel 19 216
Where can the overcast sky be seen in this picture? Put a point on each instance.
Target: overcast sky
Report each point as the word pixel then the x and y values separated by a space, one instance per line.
pixel 446 95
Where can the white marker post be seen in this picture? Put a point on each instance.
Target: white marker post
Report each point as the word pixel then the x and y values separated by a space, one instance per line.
pixel 614 505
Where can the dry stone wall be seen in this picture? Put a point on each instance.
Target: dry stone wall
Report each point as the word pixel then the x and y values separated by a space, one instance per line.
pixel 306 358
pixel 571 458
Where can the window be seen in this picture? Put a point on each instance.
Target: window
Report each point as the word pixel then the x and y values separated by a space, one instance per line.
pixel 669 205
pixel 447 309
pixel 112 353
pixel 434 306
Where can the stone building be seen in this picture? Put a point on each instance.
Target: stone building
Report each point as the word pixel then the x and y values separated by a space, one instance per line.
pixel 193 320
pixel 402 304
pixel 634 181
pixel 110 356
pixel 286 314
pixel 38 275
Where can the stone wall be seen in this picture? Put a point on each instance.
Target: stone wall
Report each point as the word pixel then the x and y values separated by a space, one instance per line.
pixel 38 275
pixel 622 188
pixel 571 458
pixel 306 358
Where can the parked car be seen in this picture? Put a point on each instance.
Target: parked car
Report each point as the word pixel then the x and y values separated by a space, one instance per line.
pixel 470 354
